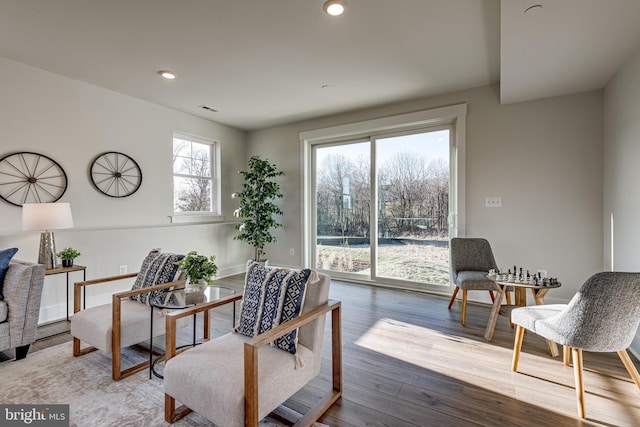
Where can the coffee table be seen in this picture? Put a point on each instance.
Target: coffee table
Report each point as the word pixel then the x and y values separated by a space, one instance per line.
pixel 182 298
pixel 520 289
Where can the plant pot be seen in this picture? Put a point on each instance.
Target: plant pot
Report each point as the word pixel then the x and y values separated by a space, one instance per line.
pixel 67 263
pixel 196 287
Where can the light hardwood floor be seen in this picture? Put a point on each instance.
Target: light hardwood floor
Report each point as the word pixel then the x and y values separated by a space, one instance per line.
pixel 408 362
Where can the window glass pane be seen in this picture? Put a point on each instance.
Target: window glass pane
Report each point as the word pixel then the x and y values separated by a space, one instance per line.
pixel 200 167
pixel 343 200
pixel 191 158
pixel 413 207
pixel 192 194
pixel 181 165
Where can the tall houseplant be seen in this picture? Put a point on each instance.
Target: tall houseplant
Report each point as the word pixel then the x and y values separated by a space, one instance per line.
pixel 257 209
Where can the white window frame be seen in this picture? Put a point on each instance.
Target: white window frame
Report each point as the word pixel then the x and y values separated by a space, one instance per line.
pixel 199 217
pixel 454 115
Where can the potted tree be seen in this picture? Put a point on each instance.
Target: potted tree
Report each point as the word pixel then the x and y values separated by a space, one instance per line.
pixel 68 255
pixel 257 209
pixel 198 268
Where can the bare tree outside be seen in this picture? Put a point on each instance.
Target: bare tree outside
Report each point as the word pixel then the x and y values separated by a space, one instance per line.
pixel 412 205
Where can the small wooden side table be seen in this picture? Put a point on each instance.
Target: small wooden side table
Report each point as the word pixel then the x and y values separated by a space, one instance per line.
pixel 59 269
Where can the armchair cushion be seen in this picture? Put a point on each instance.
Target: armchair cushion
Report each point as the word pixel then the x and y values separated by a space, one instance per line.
pixel 272 296
pixel 474 280
pixel 5 258
pixel 221 361
pixel 157 268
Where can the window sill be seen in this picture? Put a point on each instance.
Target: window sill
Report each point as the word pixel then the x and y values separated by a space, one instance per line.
pixel 195 219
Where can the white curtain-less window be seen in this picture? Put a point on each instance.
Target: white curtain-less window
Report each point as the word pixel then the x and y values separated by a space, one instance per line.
pixel 194 179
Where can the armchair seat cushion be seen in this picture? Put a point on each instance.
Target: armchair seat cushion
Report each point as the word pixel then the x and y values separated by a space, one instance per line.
pixel 474 280
pixel 529 317
pixel 94 325
pixel 209 379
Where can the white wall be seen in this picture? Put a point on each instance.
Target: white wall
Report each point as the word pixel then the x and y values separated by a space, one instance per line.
pixel 544 158
pixel 72 122
pixel 621 171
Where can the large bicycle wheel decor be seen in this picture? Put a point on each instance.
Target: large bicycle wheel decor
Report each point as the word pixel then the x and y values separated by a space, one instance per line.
pixel 115 174
pixel 27 177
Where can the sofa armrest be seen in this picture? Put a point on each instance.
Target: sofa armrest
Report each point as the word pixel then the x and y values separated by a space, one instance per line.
pixel 22 290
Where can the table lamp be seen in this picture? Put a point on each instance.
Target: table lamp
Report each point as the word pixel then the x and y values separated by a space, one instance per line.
pixel 46 217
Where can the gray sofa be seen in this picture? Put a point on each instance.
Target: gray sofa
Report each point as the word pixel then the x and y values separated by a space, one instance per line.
pixel 20 309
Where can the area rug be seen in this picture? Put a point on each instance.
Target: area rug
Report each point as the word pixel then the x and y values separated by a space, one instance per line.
pixel 54 376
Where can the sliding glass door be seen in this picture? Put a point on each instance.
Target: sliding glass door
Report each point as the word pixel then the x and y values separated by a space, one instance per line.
pixel 382 207
pixel 343 208
pixel 413 207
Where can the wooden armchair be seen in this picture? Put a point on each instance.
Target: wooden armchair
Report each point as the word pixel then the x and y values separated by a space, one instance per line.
pixel 123 323
pixel 235 380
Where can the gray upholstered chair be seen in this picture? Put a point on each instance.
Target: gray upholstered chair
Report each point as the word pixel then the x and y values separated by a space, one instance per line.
pixel 20 309
pixel 235 380
pixel 603 316
pixel 126 321
pixel 470 260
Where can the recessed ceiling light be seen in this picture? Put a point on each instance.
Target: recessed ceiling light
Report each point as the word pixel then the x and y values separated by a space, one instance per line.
pixel 334 7
pixel 167 74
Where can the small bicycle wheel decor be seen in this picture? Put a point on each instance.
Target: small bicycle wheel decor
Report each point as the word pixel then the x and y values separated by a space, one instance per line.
pixel 115 174
pixel 27 177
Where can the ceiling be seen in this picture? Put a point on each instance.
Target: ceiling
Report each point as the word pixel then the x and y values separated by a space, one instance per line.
pixel 262 63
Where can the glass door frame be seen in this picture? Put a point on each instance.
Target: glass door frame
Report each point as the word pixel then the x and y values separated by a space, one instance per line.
pixel 452 116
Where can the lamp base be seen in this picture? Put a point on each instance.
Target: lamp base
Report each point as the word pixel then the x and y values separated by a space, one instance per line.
pixel 47 255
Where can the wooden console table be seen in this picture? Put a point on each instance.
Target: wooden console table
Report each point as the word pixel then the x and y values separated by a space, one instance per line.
pixel 59 269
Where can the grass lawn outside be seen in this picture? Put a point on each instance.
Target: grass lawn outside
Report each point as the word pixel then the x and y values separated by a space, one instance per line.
pixel 424 263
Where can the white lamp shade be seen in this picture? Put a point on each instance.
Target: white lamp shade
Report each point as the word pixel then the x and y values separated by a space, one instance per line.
pixel 46 216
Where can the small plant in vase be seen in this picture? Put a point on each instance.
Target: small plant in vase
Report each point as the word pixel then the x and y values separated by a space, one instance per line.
pixel 198 268
pixel 68 255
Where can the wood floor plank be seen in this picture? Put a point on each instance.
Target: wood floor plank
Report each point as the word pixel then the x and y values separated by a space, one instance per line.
pixel 409 362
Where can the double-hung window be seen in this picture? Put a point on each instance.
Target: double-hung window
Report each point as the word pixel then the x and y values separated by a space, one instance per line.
pixel 195 181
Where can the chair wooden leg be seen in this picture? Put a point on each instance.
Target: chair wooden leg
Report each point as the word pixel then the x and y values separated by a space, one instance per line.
pixel 464 306
pixel 453 297
pixel 508 294
pixel 628 363
pixel 566 355
pixel 577 371
pixel 517 346
pixel 493 298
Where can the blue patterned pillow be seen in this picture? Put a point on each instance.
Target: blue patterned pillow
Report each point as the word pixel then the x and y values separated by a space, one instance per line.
pixel 157 268
pixel 272 296
pixel 5 259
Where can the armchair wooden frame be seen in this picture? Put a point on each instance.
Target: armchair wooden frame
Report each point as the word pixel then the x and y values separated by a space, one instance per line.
pixel 251 347
pixel 116 372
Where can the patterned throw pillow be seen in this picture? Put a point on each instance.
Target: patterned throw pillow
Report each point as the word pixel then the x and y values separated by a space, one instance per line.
pixel 157 268
pixel 272 296
pixel 5 259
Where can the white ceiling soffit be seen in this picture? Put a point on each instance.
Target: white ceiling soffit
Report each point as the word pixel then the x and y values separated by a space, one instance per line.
pixel 565 46
pixel 260 62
